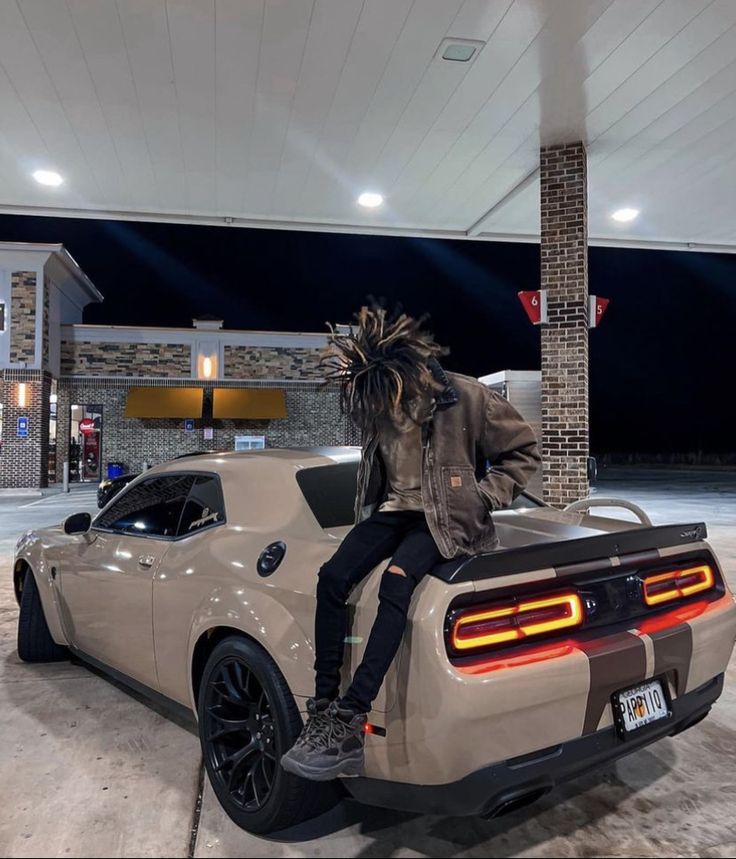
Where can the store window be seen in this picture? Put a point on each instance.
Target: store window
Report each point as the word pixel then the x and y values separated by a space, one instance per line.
pixel 85 446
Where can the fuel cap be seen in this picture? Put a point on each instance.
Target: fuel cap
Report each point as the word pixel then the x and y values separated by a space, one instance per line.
pixel 270 558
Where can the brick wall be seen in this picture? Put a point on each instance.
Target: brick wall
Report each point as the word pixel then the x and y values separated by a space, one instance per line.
pixel 23 317
pixel 24 461
pixel 271 362
pixel 313 419
pixel 564 274
pixel 125 359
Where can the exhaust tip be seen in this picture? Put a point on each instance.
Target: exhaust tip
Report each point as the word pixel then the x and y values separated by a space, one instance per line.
pixel 514 803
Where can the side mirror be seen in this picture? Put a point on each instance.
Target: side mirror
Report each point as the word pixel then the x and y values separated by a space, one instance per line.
pixel 79 523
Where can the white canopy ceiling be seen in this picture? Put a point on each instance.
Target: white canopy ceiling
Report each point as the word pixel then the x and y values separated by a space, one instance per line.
pixel 280 113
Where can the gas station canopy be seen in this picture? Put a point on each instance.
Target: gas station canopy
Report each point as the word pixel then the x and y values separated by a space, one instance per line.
pixel 281 114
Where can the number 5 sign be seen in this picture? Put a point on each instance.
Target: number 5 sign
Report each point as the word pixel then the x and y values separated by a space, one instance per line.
pixel 534 302
pixel 596 308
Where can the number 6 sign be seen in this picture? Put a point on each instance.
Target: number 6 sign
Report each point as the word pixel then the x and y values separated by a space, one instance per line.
pixel 534 302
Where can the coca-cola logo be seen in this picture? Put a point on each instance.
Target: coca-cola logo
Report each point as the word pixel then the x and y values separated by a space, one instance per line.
pixel 86 425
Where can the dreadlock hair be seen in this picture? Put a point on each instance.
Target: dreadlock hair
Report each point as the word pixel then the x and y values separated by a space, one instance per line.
pixel 381 365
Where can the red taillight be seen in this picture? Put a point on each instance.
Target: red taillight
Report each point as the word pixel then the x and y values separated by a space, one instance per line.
pixel 504 624
pixel 677 584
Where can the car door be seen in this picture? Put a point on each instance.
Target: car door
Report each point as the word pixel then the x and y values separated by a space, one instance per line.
pixel 182 583
pixel 107 585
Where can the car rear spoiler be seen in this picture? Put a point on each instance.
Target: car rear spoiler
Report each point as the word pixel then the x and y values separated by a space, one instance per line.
pixel 565 553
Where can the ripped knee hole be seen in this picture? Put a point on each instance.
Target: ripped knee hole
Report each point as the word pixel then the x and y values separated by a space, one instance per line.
pixel 397 571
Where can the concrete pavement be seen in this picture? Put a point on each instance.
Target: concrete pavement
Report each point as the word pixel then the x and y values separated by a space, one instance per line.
pixel 88 769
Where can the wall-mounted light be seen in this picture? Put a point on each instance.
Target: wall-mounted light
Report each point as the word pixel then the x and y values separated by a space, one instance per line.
pixel 22 395
pixel 207 366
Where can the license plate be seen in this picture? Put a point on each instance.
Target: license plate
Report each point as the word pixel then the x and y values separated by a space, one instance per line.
pixel 640 706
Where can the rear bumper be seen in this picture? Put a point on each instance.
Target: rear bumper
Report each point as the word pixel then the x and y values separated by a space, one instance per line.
pixel 492 790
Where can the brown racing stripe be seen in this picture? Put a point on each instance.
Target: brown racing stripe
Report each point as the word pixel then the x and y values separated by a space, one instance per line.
pixel 603 564
pixel 616 662
pixel 673 652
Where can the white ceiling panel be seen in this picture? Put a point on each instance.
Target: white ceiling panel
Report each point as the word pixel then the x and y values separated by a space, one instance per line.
pixel 280 112
pixel 331 32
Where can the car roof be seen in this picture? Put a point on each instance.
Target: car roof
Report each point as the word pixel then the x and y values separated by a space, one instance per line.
pixel 226 461
pixel 259 488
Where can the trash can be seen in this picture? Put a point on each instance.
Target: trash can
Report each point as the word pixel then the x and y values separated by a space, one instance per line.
pixel 115 469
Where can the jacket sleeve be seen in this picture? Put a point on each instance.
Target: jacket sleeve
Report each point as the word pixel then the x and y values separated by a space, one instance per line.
pixel 509 443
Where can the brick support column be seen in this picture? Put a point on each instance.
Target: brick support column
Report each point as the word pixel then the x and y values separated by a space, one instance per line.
pixel 24 462
pixel 564 260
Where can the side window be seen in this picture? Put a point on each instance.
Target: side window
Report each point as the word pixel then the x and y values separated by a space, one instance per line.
pixel 152 508
pixel 204 507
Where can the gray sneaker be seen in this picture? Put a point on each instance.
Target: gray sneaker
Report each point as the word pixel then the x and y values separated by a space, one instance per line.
pixel 332 747
pixel 313 733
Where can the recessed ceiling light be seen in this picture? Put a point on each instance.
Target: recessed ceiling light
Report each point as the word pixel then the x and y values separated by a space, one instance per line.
pixel 459 50
pixel 48 177
pixel 624 215
pixel 459 53
pixel 370 199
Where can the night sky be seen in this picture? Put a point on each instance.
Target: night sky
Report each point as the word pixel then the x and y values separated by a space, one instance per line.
pixel 661 362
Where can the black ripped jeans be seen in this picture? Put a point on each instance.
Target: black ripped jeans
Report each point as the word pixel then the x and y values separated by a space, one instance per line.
pixel 402 535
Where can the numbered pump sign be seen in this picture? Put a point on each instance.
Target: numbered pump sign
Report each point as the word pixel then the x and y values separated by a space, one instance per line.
pixel 534 301
pixel 596 308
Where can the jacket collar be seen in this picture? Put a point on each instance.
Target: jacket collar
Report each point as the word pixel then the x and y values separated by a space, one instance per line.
pixel 448 396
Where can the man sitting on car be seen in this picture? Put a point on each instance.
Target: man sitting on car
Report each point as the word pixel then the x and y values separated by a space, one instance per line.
pixel 424 493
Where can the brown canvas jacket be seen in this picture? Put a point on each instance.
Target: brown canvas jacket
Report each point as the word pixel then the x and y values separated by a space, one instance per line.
pixel 471 425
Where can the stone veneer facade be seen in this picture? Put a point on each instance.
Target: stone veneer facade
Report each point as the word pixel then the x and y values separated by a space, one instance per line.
pixel 46 323
pixel 23 317
pixel 270 362
pixel 125 359
pixel 564 262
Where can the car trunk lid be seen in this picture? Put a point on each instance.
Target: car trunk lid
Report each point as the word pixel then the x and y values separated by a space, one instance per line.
pixel 545 539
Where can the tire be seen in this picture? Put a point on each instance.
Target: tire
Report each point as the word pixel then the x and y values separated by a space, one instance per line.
pixel 243 684
pixel 35 643
pixel 592 469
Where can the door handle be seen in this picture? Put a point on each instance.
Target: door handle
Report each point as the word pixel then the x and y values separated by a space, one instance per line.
pixel 146 561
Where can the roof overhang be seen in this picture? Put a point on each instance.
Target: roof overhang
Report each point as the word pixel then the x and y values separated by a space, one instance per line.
pixel 362 230
pixel 70 276
pixel 286 112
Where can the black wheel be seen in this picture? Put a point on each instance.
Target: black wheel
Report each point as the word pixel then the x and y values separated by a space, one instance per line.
pixel 35 643
pixel 247 720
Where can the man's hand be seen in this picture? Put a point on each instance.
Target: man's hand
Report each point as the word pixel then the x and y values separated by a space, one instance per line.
pixel 509 444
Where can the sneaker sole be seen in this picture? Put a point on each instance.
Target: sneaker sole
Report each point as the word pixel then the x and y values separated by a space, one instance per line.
pixel 346 767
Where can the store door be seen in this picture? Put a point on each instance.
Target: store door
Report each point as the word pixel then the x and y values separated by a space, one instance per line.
pixel 85 449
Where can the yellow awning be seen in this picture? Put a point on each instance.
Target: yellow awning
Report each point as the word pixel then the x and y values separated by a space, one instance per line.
pixel 164 403
pixel 252 403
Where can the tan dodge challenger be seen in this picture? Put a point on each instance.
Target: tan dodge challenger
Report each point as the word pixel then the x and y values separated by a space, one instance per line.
pixel 580 640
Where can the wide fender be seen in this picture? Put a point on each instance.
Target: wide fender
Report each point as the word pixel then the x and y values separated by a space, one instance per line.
pixel 269 618
pixel 30 557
